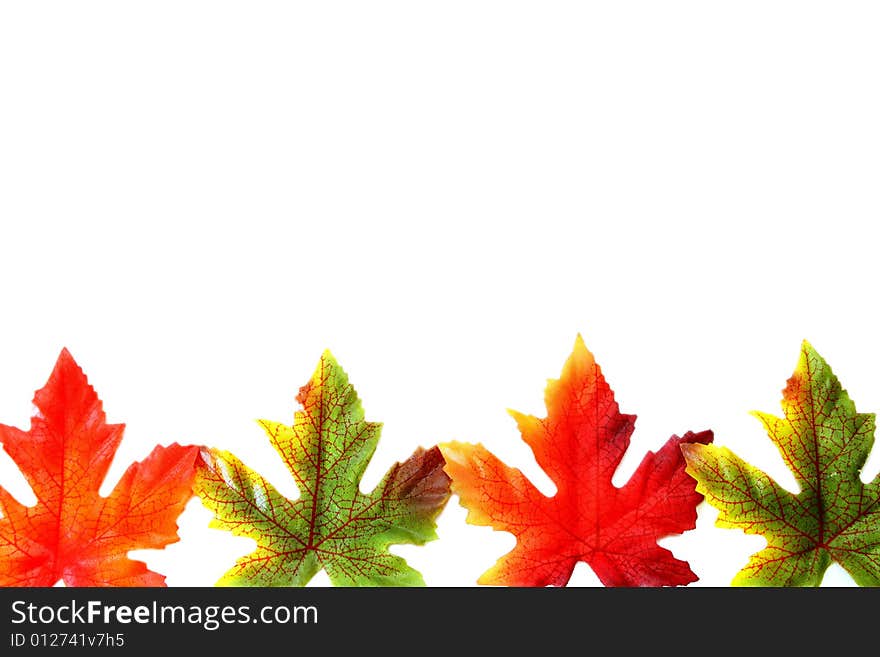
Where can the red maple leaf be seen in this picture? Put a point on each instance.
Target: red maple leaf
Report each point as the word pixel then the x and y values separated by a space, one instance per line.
pixel 580 445
pixel 73 533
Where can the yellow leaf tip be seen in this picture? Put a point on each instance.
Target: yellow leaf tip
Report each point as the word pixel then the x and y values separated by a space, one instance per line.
pixel 579 359
pixel 808 351
pixel 449 446
pixel 454 451
pixel 452 455
pixel 579 344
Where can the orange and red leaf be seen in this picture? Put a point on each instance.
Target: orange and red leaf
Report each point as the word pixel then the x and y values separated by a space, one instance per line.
pixel 579 445
pixel 73 534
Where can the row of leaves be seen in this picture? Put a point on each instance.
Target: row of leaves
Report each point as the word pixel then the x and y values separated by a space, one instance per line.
pixel 77 536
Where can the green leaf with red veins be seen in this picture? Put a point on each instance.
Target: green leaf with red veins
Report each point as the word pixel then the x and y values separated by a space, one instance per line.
pixel 835 517
pixel 332 525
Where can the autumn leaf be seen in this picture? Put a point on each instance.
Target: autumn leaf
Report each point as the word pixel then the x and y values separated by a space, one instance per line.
pixel 579 445
pixel 833 518
pixel 331 525
pixel 73 533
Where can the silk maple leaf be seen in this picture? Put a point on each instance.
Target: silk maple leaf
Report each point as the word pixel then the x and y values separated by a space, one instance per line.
pixel 73 533
pixel 580 445
pixel 834 517
pixel 332 525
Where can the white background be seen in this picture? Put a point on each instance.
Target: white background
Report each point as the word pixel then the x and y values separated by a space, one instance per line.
pixel 198 198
